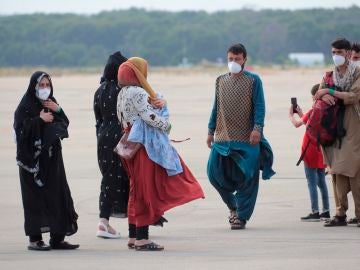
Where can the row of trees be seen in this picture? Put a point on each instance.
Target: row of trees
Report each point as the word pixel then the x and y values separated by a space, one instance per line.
pixel 165 38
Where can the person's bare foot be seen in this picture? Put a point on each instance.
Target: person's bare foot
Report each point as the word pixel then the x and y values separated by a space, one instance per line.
pixel 142 242
pixel 131 243
pixel 106 231
pixel 107 228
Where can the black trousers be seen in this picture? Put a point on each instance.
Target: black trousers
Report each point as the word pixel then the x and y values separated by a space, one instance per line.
pixel 55 238
pixel 138 232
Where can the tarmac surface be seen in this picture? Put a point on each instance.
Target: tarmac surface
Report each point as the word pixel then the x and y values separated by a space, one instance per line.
pixel 198 234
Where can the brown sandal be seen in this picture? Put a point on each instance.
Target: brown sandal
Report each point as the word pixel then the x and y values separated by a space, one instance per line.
pixel 236 223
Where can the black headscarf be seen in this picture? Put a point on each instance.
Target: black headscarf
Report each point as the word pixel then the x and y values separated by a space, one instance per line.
pixel 112 66
pixel 33 135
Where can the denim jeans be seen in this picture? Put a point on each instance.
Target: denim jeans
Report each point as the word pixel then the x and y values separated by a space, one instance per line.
pixel 316 178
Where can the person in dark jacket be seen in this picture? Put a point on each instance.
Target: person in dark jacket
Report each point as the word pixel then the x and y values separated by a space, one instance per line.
pixel 40 124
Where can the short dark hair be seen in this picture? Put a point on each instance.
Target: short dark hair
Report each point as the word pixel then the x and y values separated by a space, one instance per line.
pixel 355 47
pixel 238 49
pixel 314 89
pixel 341 43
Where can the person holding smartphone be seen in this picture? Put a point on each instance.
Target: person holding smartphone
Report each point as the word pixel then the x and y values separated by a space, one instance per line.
pixel 313 164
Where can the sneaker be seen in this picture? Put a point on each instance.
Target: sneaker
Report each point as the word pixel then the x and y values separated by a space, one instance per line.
pixel 325 215
pixel 311 217
pixel 336 221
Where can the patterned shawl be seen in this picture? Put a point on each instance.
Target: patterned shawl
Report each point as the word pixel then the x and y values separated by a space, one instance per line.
pixel 346 80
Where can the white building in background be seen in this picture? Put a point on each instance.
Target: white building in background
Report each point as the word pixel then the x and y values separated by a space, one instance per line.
pixel 185 63
pixel 307 59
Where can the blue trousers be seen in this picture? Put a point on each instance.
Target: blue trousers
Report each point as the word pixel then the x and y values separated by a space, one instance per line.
pixel 236 192
pixel 316 178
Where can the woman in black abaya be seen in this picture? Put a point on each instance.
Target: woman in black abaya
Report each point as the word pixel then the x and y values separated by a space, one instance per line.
pixel 40 124
pixel 114 193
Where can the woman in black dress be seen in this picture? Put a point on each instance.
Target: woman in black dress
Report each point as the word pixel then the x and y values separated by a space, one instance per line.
pixel 40 124
pixel 114 192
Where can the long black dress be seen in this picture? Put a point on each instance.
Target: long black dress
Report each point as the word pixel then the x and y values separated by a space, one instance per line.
pixel 114 193
pixel 47 202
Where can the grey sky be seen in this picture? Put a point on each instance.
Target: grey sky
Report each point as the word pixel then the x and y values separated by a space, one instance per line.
pixel 8 7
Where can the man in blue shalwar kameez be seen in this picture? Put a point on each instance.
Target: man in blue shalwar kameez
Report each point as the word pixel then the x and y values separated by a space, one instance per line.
pixel 238 147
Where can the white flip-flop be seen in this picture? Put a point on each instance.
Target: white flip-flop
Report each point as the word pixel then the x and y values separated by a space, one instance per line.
pixel 106 234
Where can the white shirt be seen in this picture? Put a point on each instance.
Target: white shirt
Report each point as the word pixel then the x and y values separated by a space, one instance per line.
pixel 132 104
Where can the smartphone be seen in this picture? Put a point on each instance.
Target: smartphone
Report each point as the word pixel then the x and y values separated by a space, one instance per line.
pixel 46 109
pixel 294 104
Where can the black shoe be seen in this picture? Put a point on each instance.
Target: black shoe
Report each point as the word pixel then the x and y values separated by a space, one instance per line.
pixel 336 221
pixel 311 217
pixel 325 215
pixel 39 245
pixel 63 245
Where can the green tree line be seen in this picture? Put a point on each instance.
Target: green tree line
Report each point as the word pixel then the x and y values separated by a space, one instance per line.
pixel 165 38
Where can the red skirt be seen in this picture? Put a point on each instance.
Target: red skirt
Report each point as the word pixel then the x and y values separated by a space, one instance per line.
pixel 152 191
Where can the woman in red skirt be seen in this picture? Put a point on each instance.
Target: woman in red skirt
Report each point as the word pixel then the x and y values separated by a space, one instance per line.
pixel 153 190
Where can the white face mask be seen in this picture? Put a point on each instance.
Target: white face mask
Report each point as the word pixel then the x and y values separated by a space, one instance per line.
pixel 43 93
pixel 339 60
pixel 234 67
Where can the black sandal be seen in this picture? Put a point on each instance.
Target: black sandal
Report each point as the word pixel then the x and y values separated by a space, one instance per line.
pixel 236 223
pixel 149 247
pixel 131 245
